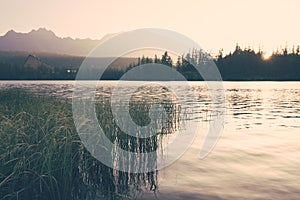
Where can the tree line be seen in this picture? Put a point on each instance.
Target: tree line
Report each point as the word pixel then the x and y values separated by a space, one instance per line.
pixel 240 65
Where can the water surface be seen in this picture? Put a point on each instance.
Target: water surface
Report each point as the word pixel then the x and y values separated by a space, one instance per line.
pixel 257 156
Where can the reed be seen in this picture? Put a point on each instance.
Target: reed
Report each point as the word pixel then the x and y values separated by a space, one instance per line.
pixel 42 157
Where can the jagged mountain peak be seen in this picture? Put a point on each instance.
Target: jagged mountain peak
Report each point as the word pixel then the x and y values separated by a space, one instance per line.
pixel 43 40
pixel 10 32
pixel 43 32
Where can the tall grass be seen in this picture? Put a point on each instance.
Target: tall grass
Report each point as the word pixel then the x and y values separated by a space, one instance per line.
pixel 39 148
pixel 42 157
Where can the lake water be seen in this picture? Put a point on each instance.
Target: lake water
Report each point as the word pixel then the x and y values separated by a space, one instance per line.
pixel 256 157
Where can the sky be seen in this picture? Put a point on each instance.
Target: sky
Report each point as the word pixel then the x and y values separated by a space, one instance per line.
pixel 213 24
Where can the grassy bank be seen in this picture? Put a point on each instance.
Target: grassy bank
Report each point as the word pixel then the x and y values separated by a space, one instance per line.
pixel 42 157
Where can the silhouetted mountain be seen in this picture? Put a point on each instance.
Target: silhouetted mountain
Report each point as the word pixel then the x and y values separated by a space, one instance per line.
pixel 43 40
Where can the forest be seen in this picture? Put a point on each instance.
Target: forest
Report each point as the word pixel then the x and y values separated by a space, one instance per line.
pixel 240 65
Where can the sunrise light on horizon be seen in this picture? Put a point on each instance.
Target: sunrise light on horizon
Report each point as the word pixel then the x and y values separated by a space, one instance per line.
pixel 268 25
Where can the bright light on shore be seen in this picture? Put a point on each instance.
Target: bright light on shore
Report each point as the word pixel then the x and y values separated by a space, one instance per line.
pixel 266 56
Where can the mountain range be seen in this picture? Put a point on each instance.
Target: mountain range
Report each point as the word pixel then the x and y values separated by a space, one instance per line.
pixel 45 41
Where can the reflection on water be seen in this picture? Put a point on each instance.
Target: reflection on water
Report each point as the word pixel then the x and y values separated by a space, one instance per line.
pixel 128 160
pixel 256 158
pixel 252 108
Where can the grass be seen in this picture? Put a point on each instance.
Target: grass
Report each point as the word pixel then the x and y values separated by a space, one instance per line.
pixel 42 157
pixel 39 149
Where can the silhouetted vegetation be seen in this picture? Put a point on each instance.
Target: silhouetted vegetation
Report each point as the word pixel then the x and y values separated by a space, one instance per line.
pixel 250 65
pixel 241 65
pixel 42 156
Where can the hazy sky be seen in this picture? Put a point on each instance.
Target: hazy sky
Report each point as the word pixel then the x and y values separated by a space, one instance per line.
pixel 211 23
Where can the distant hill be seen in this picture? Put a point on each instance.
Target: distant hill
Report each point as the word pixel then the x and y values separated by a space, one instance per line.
pixel 60 58
pixel 45 41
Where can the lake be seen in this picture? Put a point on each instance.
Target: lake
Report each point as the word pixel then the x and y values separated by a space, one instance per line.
pixel 256 157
